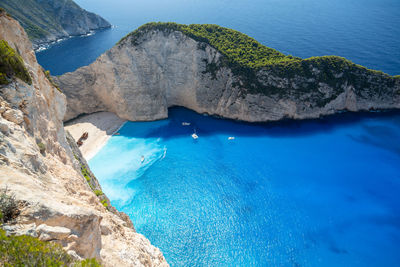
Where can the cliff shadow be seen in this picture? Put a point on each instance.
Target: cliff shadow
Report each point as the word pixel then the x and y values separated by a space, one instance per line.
pixel 205 125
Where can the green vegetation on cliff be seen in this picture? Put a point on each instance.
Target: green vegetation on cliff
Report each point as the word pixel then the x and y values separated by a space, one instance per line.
pixel 34 17
pixel 27 250
pixel 52 18
pixel 11 64
pixel 50 79
pixel 246 58
pixel 238 47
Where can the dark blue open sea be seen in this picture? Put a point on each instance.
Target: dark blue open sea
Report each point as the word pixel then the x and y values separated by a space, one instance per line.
pixel 313 193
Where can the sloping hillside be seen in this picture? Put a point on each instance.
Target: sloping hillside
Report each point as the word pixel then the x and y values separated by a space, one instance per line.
pixel 48 20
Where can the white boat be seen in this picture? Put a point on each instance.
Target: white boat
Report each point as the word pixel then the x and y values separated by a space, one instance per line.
pixel 195 136
pixel 185 123
pixel 231 138
pixel 142 159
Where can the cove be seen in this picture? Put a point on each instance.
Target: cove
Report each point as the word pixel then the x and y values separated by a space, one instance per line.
pixel 297 193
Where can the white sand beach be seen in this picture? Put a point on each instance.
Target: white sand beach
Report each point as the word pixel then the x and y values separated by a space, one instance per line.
pixel 100 126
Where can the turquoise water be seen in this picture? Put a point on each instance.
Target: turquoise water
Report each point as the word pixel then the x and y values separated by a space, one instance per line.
pixel 364 31
pixel 314 193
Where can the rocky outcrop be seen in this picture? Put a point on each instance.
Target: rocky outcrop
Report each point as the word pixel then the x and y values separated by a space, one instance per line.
pixel 46 21
pixel 156 68
pixel 37 165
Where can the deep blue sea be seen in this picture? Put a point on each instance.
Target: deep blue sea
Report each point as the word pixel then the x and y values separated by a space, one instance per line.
pixel 364 31
pixel 313 193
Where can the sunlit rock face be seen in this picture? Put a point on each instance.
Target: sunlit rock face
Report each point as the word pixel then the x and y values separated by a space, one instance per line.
pixel 140 77
pixel 38 166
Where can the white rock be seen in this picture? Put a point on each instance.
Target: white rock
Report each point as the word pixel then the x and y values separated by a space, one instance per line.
pixel 14 115
pixel 140 79
pixel 47 233
pixel 56 201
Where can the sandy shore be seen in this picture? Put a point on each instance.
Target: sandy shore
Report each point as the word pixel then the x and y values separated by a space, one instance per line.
pixel 100 127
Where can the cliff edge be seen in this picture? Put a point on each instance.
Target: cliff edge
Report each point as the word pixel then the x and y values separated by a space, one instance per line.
pixel 59 199
pixel 46 21
pixel 219 71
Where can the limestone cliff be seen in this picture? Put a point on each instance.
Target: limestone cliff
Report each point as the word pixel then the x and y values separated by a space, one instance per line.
pixel 37 164
pixel 46 21
pixel 163 64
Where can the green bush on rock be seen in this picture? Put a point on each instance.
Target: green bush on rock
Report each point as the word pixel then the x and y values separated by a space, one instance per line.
pixel 26 250
pixel 42 147
pixel 8 207
pixel 30 251
pixel 48 76
pixel 11 64
pixel 237 46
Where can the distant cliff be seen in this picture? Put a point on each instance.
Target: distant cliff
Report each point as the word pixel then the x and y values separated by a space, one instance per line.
pixel 219 71
pixel 48 20
pixel 58 197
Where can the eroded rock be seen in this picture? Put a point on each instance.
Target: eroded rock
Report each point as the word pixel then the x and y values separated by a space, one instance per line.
pixel 14 115
pixel 59 204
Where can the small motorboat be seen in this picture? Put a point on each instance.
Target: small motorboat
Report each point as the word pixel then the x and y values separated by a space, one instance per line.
pixel 142 159
pixel 195 136
pixel 231 138
pixel 185 123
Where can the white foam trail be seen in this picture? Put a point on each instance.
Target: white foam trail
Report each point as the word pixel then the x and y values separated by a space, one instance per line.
pixel 124 164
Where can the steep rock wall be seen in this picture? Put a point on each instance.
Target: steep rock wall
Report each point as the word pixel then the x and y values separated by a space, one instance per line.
pixel 143 75
pixel 38 167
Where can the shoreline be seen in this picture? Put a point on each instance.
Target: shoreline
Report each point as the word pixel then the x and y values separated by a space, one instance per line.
pixel 43 46
pixel 100 126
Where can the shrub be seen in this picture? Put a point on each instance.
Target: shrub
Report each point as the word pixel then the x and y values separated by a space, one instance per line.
pixel 104 202
pixel 245 57
pixel 48 76
pixel 98 192
pixel 8 206
pixel 11 64
pixel 30 251
pixel 236 46
pixel 42 147
pixel 88 263
pixel 85 173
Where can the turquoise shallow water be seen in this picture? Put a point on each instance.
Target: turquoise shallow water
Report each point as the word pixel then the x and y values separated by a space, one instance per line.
pixel 315 193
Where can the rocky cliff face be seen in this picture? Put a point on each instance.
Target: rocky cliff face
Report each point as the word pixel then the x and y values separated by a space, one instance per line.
pixel 144 74
pixel 38 166
pixel 46 21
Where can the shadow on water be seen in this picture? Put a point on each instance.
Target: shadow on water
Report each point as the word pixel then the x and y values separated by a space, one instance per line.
pixel 208 125
pixel 380 136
